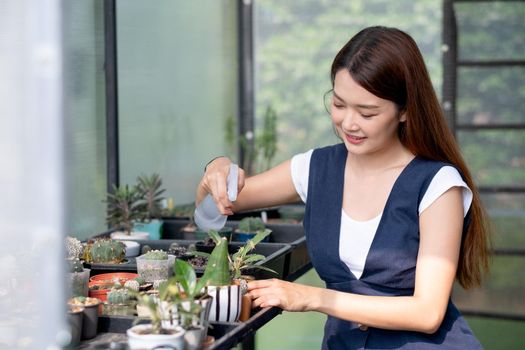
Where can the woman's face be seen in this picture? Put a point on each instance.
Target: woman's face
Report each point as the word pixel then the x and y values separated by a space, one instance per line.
pixel 365 122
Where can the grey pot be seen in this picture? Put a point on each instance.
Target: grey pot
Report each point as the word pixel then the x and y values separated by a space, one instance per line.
pixel 75 318
pixel 194 337
pixel 90 323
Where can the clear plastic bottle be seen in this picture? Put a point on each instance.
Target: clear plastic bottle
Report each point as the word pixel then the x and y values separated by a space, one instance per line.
pixel 207 215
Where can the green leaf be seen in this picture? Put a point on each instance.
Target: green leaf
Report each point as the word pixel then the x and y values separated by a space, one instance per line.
pixel 186 276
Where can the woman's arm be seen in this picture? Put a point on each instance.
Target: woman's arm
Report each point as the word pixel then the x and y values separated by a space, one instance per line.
pixel 440 238
pixel 270 188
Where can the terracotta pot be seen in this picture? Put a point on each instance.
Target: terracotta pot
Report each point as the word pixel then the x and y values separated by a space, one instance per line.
pixel 107 280
pixel 246 301
pixel 139 339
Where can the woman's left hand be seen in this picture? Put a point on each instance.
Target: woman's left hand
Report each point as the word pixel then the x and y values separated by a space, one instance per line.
pixel 286 295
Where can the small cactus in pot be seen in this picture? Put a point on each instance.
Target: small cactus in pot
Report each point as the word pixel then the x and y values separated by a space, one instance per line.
pixel 154 265
pixel 77 278
pixel 107 251
pixel 248 228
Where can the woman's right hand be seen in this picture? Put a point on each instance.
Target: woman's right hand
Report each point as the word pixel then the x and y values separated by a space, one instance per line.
pixel 214 182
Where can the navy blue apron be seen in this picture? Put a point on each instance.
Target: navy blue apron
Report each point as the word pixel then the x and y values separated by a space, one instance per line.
pixel 391 262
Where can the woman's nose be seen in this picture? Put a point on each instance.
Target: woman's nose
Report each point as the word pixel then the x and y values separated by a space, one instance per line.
pixel 350 121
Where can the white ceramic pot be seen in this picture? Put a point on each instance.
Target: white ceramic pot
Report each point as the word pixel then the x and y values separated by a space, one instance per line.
pixel 226 303
pixel 132 248
pixel 138 341
pixel 134 236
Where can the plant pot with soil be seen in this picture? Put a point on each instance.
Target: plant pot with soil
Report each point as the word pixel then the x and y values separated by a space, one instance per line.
pixel 77 278
pixel 149 336
pixel 90 311
pixel 155 265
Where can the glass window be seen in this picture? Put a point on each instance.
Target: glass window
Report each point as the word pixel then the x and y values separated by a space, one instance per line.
pixel 491 30
pixel 85 110
pixel 491 95
pixel 495 157
pixel 177 77
pixel 296 42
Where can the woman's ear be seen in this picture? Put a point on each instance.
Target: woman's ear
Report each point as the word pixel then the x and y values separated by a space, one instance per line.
pixel 402 117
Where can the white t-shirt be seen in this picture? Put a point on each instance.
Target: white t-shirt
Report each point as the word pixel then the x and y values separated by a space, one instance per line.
pixel 356 237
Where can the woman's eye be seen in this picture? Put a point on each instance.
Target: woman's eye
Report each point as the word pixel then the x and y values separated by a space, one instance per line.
pixel 338 105
pixel 368 116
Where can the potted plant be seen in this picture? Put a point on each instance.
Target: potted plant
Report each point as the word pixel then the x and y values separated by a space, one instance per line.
pixel 77 277
pixel 105 251
pixel 119 301
pixel 149 336
pixel 248 228
pixel 90 314
pixel 226 296
pixel 189 302
pixel 124 207
pixel 154 265
pixel 240 263
pixel 150 191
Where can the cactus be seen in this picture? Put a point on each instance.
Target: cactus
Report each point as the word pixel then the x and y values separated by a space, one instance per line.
pixel 251 224
pixel 74 247
pixel 132 284
pixel 217 272
pixel 139 280
pixel 118 296
pixel 86 255
pixel 74 265
pixel 107 251
pixel 156 255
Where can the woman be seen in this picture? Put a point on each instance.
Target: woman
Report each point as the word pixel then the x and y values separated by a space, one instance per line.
pixel 392 216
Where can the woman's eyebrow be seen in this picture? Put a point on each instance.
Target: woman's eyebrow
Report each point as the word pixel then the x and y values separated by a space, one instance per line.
pixel 364 106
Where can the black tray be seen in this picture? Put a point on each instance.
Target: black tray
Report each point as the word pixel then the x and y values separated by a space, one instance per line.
pixel 112 331
pixel 275 253
pixel 297 260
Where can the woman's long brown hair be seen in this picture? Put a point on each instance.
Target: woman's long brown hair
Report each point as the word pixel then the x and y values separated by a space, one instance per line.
pixel 388 63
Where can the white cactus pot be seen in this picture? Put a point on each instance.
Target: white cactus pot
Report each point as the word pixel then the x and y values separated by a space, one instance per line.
pixel 226 303
pixel 137 339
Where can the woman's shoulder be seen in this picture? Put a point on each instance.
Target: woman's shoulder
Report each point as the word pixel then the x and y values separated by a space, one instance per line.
pixel 328 153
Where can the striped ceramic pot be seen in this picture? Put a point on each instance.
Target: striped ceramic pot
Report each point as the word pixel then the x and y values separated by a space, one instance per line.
pixel 225 304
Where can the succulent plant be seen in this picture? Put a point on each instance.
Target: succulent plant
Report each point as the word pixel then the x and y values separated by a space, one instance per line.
pixel 132 284
pixel 155 255
pixel 107 251
pixel 149 188
pixel 217 272
pixel 74 265
pixel 124 207
pixel 74 248
pixel 241 260
pixel 118 296
pixel 251 224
